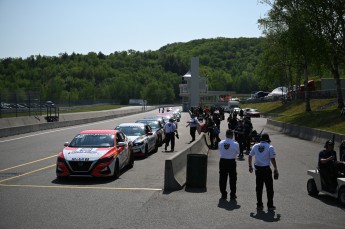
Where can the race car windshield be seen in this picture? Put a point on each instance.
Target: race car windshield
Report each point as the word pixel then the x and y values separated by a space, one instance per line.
pixel 93 141
pixel 132 130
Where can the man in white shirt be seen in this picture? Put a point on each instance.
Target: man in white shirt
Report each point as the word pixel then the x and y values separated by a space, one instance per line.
pixel 169 130
pixel 193 123
pixel 228 150
pixel 264 155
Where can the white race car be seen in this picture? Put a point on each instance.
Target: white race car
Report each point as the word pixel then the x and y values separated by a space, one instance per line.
pixel 143 139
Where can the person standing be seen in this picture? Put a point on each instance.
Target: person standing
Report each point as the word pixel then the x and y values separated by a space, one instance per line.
pixel 248 128
pixel 193 123
pixel 228 150
pixel 264 155
pixel 210 130
pixel 169 131
pixel 239 136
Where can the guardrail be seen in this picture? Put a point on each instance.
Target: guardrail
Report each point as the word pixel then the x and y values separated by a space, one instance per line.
pixel 22 125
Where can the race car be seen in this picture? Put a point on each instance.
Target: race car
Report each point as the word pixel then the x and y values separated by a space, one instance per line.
pixel 143 139
pixel 95 153
pixel 157 128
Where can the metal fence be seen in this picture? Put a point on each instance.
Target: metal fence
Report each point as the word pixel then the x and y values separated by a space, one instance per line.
pixel 30 103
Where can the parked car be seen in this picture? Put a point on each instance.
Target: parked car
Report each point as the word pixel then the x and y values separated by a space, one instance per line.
pixel 49 104
pixel 143 139
pixel 157 128
pixel 96 153
pixel 167 116
pixel 158 118
pixel 251 112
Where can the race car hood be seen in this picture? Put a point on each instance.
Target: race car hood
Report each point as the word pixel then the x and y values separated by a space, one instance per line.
pixel 83 154
pixel 136 138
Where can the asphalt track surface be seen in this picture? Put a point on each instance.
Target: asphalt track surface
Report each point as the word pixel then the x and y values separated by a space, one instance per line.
pixel 31 197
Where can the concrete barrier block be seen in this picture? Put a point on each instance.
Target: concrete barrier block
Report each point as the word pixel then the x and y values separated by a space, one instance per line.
pixel 176 166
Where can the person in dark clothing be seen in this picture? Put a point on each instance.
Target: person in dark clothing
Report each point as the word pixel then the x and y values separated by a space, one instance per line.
pixel 210 129
pixel 329 167
pixel 248 127
pixel 241 114
pixel 239 136
pixel 229 121
pixel 233 122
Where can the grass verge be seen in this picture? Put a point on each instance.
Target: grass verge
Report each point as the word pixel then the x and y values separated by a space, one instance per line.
pixel 324 113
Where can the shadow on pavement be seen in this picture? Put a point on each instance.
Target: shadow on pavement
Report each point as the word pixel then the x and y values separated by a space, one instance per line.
pixel 269 216
pixel 228 205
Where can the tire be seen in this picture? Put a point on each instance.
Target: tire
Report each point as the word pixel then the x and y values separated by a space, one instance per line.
pixel 146 151
pixel 341 195
pixel 160 141
pixel 131 160
pixel 311 187
pixel 116 170
pixel 156 147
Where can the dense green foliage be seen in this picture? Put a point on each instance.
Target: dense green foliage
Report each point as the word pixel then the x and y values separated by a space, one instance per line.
pixel 228 64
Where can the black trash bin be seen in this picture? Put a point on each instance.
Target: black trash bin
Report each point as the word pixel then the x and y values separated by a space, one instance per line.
pixel 196 171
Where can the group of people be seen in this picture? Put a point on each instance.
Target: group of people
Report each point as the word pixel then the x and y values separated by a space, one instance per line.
pixel 264 154
pixel 243 128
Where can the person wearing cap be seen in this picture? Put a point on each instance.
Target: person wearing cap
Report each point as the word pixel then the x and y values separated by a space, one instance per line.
pixel 264 155
pixel 228 149
pixel 193 123
pixel 169 131
pixel 329 166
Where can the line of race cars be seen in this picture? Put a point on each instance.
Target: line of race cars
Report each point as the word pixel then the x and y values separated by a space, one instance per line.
pixel 104 153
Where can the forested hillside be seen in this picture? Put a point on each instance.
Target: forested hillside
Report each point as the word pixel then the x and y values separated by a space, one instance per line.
pixel 228 63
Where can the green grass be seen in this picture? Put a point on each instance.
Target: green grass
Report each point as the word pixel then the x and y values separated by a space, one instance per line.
pixel 93 108
pixel 324 113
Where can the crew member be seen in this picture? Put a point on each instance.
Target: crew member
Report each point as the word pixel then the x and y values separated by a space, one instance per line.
pixel 193 123
pixel 228 150
pixel 169 131
pixel 264 155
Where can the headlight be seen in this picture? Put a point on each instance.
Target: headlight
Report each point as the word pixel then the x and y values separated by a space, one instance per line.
pixel 138 143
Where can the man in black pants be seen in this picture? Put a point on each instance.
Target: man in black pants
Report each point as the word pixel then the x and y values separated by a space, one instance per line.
pixel 228 150
pixel 264 155
pixel 193 123
pixel 169 131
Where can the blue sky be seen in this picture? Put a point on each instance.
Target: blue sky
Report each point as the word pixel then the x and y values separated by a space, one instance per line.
pixel 50 27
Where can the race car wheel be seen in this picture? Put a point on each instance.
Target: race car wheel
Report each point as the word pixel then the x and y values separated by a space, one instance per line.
pixel 116 170
pixel 146 151
pixel 341 195
pixel 131 160
pixel 156 147
pixel 160 141
pixel 311 187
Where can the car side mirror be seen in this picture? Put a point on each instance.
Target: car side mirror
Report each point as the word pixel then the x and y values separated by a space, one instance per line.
pixel 121 144
pixel 66 144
